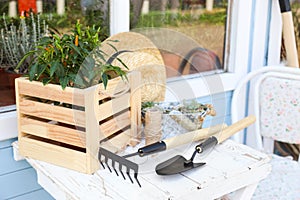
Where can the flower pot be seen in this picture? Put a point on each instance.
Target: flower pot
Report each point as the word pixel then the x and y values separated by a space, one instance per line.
pixel 65 127
pixel 7 88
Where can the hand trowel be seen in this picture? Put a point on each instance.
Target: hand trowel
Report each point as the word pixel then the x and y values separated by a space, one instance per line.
pixel 178 163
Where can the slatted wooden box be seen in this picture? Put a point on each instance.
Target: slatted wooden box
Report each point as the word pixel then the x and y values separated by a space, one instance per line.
pixel 69 136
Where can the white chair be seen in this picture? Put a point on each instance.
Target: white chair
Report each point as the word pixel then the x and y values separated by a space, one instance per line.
pixel 276 104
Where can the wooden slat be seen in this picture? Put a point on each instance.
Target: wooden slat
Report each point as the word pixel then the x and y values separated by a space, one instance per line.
pixel 51 112
pixel 112 107
pixel 135 106
pixel 118 143
pixel 53 132
pixel 114 87
pixel 115 124
pixel 52 92
pixel 54 154
pixel 92 130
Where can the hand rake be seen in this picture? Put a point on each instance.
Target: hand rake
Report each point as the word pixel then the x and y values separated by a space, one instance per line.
pixel 105 155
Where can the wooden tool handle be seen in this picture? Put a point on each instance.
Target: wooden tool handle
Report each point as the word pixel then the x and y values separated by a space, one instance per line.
pixel 234 128
pixel 193 136
pixel 289 39
pixel 289 33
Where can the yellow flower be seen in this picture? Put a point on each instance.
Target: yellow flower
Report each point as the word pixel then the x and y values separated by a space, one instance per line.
pixel 22 16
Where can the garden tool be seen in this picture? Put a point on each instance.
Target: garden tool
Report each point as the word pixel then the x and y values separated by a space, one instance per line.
pixel 105 155
pixel 178 163
pixel 289 33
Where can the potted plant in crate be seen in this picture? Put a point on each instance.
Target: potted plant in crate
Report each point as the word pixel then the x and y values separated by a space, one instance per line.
pixel 17 37
pixel 73 99
pixel 58 59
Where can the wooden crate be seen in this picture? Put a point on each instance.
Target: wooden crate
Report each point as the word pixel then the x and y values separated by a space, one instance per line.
pixel 69 136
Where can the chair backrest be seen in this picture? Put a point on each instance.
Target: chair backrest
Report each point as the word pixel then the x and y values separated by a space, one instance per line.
pixel 276 104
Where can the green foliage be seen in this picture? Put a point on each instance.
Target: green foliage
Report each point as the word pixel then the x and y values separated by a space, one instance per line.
pixel 73 59
pixel 95 15
pixel 213 18
pixel 147 104
pixel 3 7
pixel 17 37
pixel 66 22
pixel 192 106
pixel 160 19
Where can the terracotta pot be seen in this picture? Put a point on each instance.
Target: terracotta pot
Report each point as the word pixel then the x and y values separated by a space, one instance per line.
pixel 7 88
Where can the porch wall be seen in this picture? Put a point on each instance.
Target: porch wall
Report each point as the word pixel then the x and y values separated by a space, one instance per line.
pixel 18 180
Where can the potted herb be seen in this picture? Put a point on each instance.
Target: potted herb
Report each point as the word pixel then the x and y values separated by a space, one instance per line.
pixel 17 37
pixel 73 59
pixel 72 99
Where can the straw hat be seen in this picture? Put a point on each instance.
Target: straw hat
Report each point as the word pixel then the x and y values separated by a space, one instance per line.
pixel 139 53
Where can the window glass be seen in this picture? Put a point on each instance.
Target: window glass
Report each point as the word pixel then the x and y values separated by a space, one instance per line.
pixel 190 34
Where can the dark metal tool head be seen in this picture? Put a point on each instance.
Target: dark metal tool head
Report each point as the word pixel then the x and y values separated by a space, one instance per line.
pixel 104 156
pixel 176 165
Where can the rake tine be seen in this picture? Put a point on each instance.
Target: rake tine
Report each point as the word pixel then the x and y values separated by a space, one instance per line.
pixel 102 164
pixel 108 168
pixel 101 161
pixel 121 161
pixel 120 169
pixel 123 175
pixel 116 172
pixel 106 162
pixel 113 165
pixel 127 172
pixel 136 179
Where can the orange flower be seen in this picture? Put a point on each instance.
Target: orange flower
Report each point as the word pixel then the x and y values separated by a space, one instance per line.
pixel 50 47
pixel 76 41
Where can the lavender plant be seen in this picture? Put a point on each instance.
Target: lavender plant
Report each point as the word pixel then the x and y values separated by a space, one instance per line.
pixel 17 40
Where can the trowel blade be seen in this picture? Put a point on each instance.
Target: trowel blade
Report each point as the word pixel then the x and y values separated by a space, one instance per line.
pixel 175 165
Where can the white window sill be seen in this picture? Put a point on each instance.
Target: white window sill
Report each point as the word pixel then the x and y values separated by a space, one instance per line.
pixel 8 125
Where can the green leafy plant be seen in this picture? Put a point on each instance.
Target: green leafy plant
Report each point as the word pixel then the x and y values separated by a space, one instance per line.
pixel 74 59
pixel 17 37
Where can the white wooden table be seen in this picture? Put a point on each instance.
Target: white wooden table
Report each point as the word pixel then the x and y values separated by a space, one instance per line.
pixel 230 167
